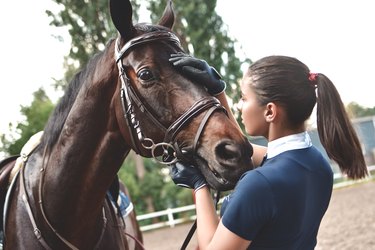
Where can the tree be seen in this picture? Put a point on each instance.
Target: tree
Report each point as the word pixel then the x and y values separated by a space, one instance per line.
pixel 36 115
pixel 355 110
pixel 204 35
pixel 201 30
pixel 90 28
pixel 154 190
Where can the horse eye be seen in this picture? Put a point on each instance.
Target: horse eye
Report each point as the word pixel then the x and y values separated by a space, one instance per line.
pixel 145 75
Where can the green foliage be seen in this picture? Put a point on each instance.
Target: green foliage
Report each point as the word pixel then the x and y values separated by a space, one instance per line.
pixel 155 184
pixel 36 115
pixel 203 34
pixel 90 28
pixel 356 111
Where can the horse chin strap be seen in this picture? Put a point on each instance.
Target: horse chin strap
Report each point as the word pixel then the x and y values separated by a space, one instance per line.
pixel 171 150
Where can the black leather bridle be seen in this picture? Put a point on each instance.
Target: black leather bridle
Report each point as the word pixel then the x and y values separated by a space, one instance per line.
pixel 171 151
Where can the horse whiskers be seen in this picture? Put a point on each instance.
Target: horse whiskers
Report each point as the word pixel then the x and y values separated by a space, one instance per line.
pixel 221 180
pixel 219 177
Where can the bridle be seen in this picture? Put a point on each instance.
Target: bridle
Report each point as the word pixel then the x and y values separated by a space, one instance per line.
pixel 171 150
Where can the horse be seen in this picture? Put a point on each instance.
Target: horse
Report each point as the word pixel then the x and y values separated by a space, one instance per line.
pixel 128 97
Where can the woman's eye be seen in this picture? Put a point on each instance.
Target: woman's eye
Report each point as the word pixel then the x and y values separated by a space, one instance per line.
pixel 145 75
pixel 239 105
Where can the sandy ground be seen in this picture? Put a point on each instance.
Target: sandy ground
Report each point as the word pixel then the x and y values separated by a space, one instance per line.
pixel 349 224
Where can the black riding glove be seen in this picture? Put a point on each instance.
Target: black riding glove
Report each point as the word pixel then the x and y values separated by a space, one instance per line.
pixel 199 71
pixel 188 176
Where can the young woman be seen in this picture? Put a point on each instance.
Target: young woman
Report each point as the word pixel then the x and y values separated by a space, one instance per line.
pixel 279 205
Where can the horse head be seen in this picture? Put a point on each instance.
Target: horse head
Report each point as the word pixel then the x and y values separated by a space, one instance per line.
pixel 164 114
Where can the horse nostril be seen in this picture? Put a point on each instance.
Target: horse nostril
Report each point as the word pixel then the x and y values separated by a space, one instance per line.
pixel 228 152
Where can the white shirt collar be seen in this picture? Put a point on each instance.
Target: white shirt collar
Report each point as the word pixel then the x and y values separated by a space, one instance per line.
pixel 286 143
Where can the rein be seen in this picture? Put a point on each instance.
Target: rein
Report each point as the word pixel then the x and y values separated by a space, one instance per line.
pixel 37 231
pixel 171 151
pixel 137 241
pixel 194 226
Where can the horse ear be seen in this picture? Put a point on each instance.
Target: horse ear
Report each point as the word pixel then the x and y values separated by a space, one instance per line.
pixel 167 19
pixel 121 14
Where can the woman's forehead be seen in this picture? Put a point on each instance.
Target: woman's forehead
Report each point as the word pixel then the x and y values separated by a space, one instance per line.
pixel 245 83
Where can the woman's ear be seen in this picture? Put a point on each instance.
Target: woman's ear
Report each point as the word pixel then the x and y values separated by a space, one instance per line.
pixel 270 112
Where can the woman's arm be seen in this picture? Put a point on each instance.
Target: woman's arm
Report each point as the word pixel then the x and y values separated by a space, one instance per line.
pixel 207 218
pixel 212 234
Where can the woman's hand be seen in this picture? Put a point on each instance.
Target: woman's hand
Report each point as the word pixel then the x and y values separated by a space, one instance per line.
pixel 199 71
pixel 188 176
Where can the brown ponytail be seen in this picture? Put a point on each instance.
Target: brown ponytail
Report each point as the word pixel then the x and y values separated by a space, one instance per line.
pixel 336 132
pixel 288 81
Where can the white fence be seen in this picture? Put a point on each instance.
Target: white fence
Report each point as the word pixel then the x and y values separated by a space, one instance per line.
pixel 171 222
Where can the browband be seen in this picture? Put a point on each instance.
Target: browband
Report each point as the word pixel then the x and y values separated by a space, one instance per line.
pixel 148 37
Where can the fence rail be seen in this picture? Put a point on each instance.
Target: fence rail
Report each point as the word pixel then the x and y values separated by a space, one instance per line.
pixel 169 213
pixel 171 222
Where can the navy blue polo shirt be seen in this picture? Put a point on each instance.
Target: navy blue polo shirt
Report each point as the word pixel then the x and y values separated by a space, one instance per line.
pixel 281 204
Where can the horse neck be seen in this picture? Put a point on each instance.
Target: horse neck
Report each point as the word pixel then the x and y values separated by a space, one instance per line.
pixel 90 149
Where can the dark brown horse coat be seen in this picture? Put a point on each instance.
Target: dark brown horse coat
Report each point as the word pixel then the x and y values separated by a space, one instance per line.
pixel 59 197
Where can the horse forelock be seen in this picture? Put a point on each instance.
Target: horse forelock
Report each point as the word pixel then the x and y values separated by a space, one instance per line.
pixel 146 28
pixel 59 115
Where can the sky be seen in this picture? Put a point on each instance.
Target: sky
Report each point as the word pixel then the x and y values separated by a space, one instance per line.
pixel 331 37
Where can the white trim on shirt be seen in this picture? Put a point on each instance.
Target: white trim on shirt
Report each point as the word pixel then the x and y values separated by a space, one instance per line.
pixel 290 142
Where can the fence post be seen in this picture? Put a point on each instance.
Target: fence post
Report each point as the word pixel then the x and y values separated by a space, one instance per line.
pixel 170 217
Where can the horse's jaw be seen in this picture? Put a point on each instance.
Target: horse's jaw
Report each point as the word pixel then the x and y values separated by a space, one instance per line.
pixel 218 177
pixel 223 161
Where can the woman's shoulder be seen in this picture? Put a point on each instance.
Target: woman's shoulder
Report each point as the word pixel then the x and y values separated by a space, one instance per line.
pixel 254 180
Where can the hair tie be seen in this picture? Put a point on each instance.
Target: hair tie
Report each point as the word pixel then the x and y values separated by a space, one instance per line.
pixel 312 77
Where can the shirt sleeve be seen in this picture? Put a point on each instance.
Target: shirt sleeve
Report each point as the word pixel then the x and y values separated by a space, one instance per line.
pixel 249 207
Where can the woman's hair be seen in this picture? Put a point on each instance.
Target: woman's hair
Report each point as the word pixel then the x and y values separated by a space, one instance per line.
pixel 288 82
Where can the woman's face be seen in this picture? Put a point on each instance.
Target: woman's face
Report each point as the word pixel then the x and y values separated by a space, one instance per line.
pixel 252 114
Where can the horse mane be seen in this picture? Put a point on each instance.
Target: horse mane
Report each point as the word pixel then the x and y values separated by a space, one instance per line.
pixel 57 120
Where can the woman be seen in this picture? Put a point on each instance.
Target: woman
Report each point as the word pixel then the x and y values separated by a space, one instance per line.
pixel 279 205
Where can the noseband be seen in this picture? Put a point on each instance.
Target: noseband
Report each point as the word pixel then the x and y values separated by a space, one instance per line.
pixel 171 151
